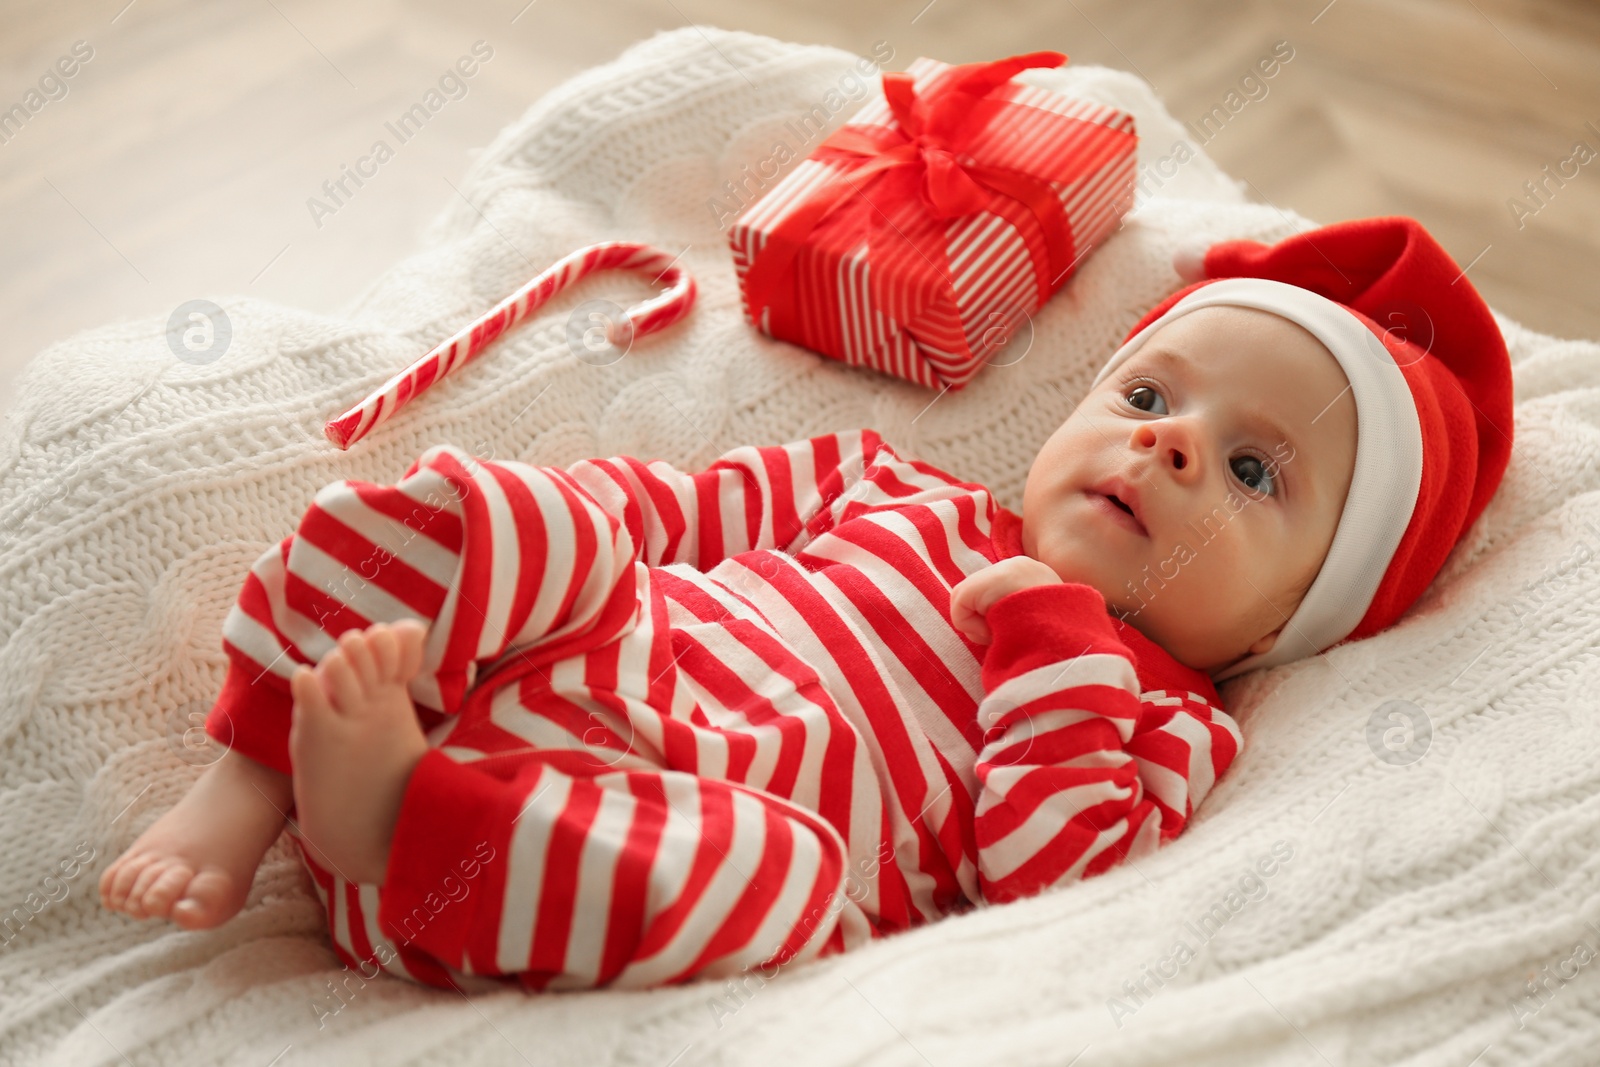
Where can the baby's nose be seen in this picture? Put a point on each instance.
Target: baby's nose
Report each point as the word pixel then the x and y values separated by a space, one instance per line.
pixel 1172 442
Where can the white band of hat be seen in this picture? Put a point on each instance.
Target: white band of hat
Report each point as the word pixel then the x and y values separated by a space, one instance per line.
pixel 1388 467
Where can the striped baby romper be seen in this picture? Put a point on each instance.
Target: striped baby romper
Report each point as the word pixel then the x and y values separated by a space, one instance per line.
pixel 687 725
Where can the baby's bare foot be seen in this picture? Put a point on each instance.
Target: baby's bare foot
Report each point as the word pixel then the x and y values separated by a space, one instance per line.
pixel 355 741
pixel 194 865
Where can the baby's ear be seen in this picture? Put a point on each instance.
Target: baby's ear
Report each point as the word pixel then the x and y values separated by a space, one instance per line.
pixel 1264 644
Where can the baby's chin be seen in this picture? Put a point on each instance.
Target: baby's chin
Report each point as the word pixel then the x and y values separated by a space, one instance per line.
pixel 1183 647
pixel 1195 648
pixel 1121 603
pixel 1069 568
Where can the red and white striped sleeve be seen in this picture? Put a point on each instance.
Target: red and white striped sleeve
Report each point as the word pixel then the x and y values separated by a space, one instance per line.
pixel 752 497
pixel 1079 770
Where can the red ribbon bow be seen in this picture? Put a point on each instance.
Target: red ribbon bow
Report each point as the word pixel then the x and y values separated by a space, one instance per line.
pixel 902 182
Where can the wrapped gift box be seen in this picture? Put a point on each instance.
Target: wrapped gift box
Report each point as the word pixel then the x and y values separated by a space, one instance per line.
pixel 915 238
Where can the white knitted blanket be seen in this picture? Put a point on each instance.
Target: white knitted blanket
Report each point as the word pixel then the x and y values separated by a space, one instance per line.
pixel 1417 881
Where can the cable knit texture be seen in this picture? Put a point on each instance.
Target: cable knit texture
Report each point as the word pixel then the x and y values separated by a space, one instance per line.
pixel 1417 899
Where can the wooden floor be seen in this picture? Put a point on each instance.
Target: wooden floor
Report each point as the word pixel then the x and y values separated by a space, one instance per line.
pixel 180 159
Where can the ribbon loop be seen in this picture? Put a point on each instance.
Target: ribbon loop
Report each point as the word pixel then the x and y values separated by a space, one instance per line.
pixel 901 95
pixel 932 129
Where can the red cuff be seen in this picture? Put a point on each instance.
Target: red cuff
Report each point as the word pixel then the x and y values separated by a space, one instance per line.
pixel 1045 624
pixel 252 716
pixel 441 858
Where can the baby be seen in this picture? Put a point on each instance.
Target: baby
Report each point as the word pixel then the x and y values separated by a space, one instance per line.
pixel 617 724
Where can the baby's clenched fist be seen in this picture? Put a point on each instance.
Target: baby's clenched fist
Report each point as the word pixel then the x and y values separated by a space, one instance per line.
pixel 972 597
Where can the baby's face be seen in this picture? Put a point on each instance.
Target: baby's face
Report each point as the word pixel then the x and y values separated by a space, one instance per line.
pixel 1232 434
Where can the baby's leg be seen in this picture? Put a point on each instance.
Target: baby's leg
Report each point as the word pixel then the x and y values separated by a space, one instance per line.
pixel 354 743
pixel 195 864
pixel 429 549
pixel 558 870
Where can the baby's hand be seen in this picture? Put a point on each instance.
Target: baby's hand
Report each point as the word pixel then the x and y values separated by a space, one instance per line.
pixel 972 597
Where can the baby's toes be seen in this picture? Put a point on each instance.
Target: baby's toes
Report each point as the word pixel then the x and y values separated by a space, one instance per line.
pixel 385 649
pixel 339 680
pixel 119 879
pixel 410 637
pixel 157 900
pixel 357 648
pixel 206 900
pixel 108 878
pixel 308 691
pixel 137 905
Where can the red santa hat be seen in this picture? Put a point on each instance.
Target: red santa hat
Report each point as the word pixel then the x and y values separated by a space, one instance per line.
pixel 1432 386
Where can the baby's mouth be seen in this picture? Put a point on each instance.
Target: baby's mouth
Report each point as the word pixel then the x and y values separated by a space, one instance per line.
pixel 1130 512
pixel 1114 504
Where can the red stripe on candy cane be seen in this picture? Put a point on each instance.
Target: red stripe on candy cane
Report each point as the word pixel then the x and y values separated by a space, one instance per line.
pixel 660 311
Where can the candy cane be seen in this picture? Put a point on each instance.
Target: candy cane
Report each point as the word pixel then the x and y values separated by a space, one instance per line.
pixel 465 344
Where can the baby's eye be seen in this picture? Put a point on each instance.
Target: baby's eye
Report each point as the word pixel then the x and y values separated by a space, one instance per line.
pixel 1143 396
pixel 1252 472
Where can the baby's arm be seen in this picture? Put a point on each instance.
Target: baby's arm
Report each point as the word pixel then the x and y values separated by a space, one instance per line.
pixel 1079 770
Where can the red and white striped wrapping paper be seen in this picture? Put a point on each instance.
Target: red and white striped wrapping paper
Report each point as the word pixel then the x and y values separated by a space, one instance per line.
pixel 994 279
